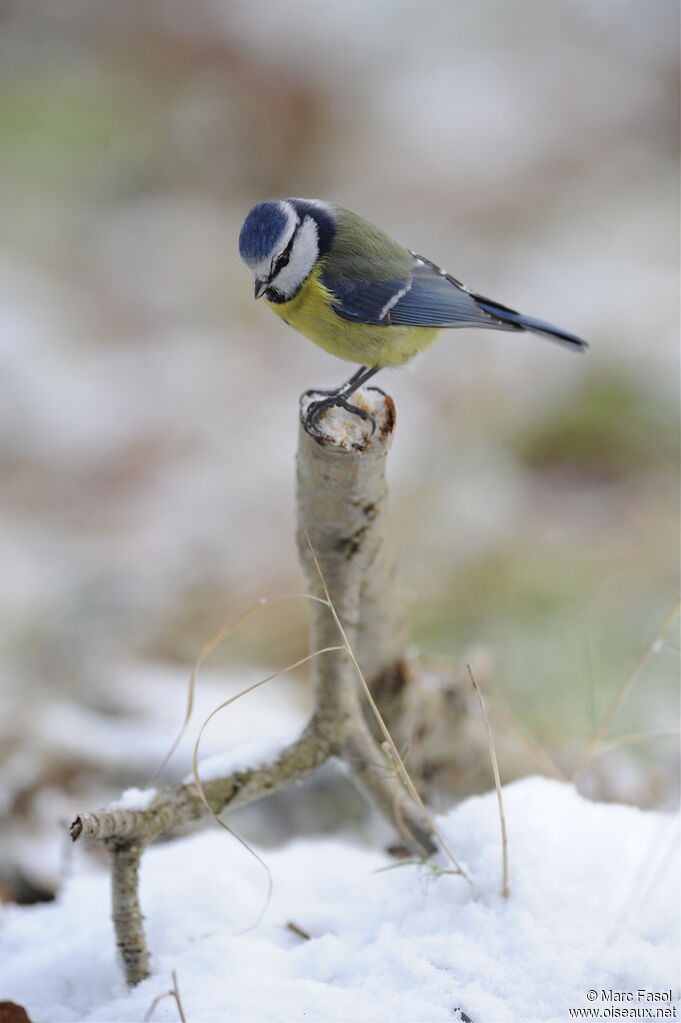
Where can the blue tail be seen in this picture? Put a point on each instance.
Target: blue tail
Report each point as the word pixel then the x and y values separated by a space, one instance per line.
pixel 520 322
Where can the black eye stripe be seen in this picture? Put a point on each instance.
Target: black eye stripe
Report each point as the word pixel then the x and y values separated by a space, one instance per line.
pixel 283 259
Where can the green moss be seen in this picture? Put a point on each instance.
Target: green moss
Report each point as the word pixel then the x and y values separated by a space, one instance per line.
pixel 611 426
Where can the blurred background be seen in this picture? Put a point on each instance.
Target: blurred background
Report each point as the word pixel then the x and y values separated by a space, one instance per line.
pixel 148 406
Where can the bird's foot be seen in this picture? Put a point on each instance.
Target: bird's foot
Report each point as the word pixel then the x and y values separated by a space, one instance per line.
pixel 334 400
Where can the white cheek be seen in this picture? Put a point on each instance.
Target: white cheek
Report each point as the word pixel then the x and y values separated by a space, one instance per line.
pixel 303 257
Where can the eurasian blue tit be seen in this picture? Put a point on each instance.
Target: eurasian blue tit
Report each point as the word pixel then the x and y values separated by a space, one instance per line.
pixel 344 284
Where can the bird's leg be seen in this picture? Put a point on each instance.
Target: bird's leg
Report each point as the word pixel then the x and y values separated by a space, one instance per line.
pixel 345 389
pixel 338 398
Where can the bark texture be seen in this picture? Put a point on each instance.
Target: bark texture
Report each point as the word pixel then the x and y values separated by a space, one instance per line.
pixel 343 540
pixel 342 518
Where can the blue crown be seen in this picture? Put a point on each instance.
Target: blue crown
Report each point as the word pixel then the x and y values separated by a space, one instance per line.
pixel 262 227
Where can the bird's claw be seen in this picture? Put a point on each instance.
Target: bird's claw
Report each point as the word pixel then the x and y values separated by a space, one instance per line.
pixel 317 408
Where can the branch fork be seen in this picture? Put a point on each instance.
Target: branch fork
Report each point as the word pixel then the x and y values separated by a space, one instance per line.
pixel 347 560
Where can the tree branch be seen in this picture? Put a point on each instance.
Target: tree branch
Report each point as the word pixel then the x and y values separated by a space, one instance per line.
pixel 342 518
pixel 179 804
pixel 342 542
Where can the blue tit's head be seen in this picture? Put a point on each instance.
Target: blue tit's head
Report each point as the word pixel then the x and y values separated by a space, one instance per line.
pixel 280 242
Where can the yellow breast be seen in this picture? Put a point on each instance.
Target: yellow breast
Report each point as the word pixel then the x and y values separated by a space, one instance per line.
pixel 311 313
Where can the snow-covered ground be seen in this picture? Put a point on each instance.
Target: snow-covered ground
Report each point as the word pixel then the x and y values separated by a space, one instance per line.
pixel 593 907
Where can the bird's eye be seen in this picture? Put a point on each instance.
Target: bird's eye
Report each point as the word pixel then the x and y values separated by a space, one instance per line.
pixel 282 259
pixel 281 262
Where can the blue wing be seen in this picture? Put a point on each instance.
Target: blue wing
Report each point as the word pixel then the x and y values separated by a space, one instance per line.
pixel 365 301
pixel 436 299
pixel 430 297
pixel 425 298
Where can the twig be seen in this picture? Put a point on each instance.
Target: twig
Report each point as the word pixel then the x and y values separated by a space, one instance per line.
pixel 173 993
pixel 497 784
pixel 127 832
pixel 126 912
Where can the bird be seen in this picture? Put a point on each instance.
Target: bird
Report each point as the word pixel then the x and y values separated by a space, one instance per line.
pixel 346 285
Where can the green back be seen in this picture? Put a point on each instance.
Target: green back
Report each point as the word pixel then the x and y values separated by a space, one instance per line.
pixel 362 252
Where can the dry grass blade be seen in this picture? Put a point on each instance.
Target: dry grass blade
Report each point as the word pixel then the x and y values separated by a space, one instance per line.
pixel 399 763
pixel 199 783
pixel 173 993
pixel 225 632
pixel 653 647
pixel 497 785
pixel 666 855
pixel 176 992
pixel 649 873
pixel 632 739
pixel 542 760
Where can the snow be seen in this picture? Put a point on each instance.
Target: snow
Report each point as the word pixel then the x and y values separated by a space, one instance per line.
pixel 593 905
pixel 151 709
pixel 134 799
pixel 251 753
